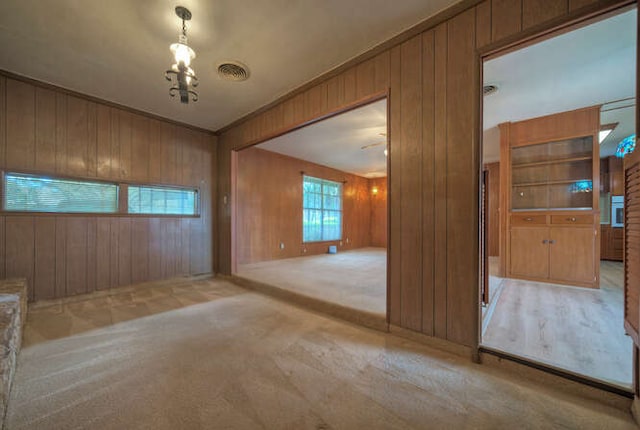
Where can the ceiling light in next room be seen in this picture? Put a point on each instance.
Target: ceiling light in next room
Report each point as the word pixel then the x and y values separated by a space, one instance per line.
pixel 185 77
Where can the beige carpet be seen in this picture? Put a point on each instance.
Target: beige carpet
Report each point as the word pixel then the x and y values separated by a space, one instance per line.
pixel 356 279
pixel 210 355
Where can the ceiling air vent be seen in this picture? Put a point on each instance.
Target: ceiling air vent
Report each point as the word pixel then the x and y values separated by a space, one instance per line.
pixel 233 71
pixel 489 89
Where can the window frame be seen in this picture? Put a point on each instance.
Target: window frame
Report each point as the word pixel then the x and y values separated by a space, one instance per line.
pixel 122 194
pixel 341 183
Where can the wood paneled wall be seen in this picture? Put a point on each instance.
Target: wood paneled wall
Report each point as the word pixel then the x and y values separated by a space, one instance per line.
pixel 432 81
pixel 49 131
pixel 269 195
pixel 379 212
pixel 493 211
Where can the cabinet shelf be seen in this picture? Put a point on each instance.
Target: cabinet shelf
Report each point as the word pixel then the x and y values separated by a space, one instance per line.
pixel 554 161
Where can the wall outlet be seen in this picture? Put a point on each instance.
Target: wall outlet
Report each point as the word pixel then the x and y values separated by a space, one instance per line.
pixel 340 243
pixel 347 240
pixel 304 250
pixel 281 245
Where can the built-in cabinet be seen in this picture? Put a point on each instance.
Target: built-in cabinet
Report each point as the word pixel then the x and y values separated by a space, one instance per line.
pixel 550 230
pixel 611 243
pixel 611 185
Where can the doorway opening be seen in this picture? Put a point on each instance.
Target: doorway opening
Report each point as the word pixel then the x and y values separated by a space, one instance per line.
pixel 554 112
pixel 311 213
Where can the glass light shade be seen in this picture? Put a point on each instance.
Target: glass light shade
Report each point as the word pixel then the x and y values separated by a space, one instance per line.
pixel 182 53
pixel 626 146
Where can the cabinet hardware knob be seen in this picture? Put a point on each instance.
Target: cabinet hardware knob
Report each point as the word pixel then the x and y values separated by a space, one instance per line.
pixel 545 241
pixel 572 219
pixel 552 242
pixel 528 219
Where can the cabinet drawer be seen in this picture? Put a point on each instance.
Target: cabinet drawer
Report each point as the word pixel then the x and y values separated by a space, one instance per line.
pixel 571 219
pixel 528 219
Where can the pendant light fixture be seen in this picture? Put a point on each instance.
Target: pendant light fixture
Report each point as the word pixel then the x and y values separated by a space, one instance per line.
pixel 185 77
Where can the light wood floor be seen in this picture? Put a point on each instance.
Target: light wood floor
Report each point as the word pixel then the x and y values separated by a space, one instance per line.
pixel 210 355
pixel 577 329
pixel 356 279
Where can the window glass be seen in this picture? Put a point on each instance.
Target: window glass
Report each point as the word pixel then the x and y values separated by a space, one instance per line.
pixel 322 210
pixel 31 193
pixel 162 200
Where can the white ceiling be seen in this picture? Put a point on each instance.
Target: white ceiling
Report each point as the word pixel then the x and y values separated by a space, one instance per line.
pixel 338 141
pixel 590 66
pixel 118 50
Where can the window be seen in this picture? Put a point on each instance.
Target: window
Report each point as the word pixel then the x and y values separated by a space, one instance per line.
pixel 31 193
pixel 321 210
pixel 162 200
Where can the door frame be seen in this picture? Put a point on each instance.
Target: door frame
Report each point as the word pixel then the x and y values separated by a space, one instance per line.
pixel 574 20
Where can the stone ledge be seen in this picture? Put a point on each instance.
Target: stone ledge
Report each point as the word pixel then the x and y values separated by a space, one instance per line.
pixel 13 314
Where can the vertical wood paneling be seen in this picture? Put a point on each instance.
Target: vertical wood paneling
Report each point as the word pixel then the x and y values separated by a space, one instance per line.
pixel 483 24
pixel 103 253
pixel 21 125
pixel 168 248
pixel 61 256
pixel 2 248
pixel 114 251
pixel 77 136
pixel 440 170
pixel 411 183
pixel 155 249
pixel 76 256
pixel 506 18
pixel 20 250
pixel 140 148
pixel 124 128
pixel 168 153
pixel 350 86
pixel 44 282
pixel 92 140
pixel 61 133
pixel 140 250
pixel 293 110
pixel 537 11
pixel 114 134
pixel 428 177
pixel 395 191
pixel 462 173
pixel 103 141
pixel 448 169
pixel 381 65
pixel 195 246
pixel 577 4
pixel 3 119
pixel 45 154
pixel 69 135
pixel 92 254
pixel 185 246
pixel 124 251
pixel 155 152
pixel 315 102
pixel 365 78
pixel 335 92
